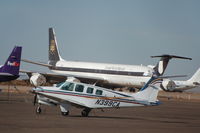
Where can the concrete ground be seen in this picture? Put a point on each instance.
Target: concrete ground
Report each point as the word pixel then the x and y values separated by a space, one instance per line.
pixel 17 115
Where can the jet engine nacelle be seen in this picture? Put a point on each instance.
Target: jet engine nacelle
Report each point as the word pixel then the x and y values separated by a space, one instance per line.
pixel 37 79
pixel 168 85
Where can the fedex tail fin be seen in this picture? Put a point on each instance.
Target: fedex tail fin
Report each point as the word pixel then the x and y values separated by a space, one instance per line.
pixel 12 64
pixel 159 69
pixel 54 55
pixel 196 77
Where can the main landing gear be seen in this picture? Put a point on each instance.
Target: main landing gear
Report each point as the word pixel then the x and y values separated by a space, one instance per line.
pixel 86 112
pixel 38 109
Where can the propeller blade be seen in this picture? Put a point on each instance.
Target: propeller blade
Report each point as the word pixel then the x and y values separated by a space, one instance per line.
pixel 35 99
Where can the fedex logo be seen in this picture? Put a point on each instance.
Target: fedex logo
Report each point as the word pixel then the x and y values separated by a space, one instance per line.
pixel 13 64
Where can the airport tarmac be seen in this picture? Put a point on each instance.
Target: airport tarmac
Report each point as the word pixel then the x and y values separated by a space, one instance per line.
pixel 18 116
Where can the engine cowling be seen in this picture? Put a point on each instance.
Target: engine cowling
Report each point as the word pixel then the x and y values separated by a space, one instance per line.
pixel 73 79
pixel 37 79
pixel 168 85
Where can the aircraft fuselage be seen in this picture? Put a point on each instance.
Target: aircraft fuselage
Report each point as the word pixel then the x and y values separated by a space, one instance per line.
pixel 117 74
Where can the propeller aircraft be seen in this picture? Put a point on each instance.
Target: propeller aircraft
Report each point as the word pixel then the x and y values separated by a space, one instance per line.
pixel 88 97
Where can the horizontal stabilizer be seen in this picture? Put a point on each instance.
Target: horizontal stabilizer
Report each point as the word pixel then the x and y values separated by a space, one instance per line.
pixel 159 69
pixel 171 56
pixel 174 76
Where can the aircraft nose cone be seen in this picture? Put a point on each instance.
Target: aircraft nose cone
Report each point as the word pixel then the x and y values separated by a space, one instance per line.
pixel 34 90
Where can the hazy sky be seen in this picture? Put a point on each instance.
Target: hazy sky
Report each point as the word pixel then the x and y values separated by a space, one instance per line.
pixel 108 31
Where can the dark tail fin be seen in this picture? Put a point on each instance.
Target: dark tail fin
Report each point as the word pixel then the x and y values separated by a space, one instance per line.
pixel 12 64
pixel 159 69
pixel 54 55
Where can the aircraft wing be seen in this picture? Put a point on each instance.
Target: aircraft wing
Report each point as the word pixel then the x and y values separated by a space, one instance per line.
pixel 36 63
pixel 56 78
pixel 71 102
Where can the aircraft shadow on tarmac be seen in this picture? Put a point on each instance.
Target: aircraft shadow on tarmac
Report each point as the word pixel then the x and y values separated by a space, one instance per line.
pixel 131 118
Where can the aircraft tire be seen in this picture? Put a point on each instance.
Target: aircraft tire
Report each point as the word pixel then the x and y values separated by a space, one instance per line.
pixel 38 110
pixel 85 112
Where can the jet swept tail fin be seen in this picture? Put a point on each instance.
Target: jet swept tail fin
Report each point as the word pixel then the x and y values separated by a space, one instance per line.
pixel 12 64
pixel 54 55
pixel 159 69
pixel 196 77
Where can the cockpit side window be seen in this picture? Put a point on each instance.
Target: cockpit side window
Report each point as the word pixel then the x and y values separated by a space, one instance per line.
pixel 99 92
pixel 90 90
pixel 68 86
pixel 79 88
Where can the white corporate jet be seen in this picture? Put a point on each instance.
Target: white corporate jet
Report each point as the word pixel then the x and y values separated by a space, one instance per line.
pixel 182 85
pixel 100 73
pixel 90 97
pixel 193 82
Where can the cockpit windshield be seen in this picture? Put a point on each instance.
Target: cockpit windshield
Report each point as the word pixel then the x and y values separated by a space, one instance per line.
pixel 68 86
pixel 59 84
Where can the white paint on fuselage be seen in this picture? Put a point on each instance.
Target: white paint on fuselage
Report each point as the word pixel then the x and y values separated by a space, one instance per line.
pixel 184 84
pixel 126 80
pixel 89 100
pixel 103 66
pixel 6 74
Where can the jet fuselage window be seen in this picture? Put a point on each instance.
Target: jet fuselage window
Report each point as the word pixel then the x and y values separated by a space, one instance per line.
pixel 90 90
pixel 79 88
pixel 99 92
pixel 68 86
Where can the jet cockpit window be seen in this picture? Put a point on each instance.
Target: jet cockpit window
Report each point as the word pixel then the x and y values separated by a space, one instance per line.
pixel 68 86
pixel 90 90
pixel 99 92
pixel 79 88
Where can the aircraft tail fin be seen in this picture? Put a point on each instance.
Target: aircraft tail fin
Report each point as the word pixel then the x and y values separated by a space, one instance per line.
pixel 54 55
pixel 150 91
pixel 195 77
pixel 159 69
pixel 12 64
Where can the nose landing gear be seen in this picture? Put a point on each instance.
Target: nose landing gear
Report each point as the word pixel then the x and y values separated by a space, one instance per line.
pixel 65 113
pixel 38 109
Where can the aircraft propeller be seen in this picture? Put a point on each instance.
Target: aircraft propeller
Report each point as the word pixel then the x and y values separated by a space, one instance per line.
pixel 35 99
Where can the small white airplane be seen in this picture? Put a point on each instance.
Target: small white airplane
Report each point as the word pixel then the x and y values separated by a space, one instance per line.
pixel 88 97
pixel 107 74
